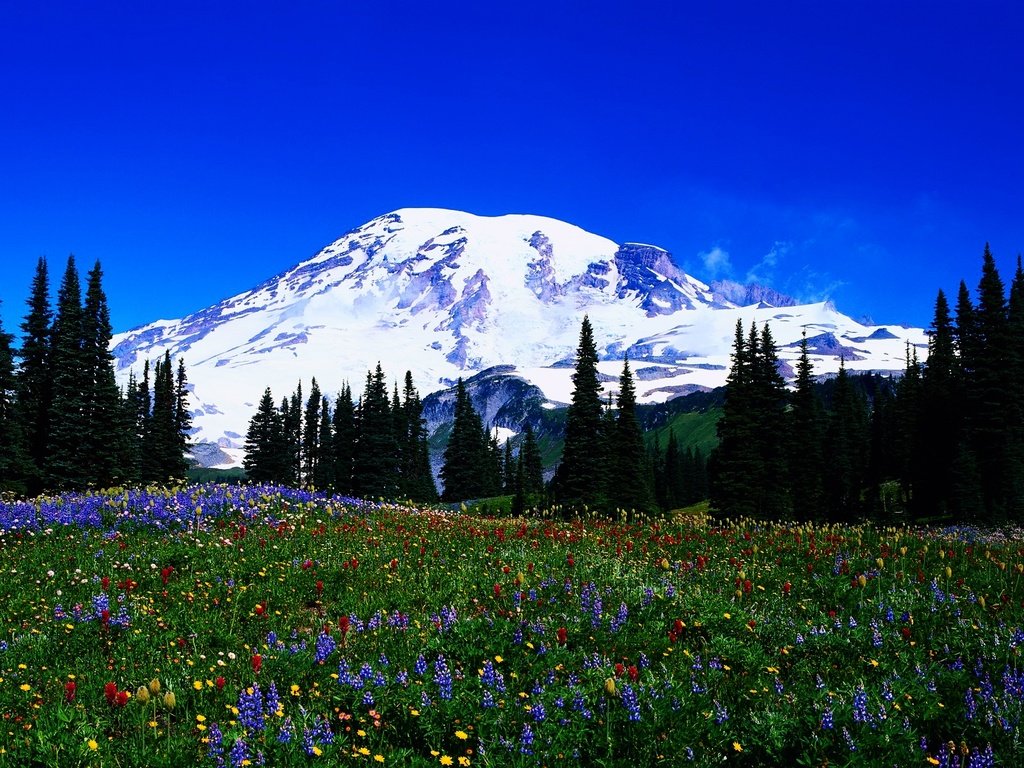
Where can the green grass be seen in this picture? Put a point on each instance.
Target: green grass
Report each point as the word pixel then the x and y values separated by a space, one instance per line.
pixel 418 637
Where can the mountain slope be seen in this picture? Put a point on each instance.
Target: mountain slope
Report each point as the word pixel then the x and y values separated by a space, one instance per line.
pixel 448 294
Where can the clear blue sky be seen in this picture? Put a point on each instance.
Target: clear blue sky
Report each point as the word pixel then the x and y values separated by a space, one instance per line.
pixel 861 151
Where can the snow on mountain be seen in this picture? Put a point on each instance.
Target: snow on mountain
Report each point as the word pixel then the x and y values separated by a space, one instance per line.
pixel 447 294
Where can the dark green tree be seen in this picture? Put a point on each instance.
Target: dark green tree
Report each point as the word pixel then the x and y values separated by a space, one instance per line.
pixel 846 451
pixel 263 462
pixel 806 466
pixel 34 379
pixel 467 472
pixel 344 423
pixel 631 485
pixel 104 437
pixel 375 470
pixel 417 481
pixel 65 462
pixel 323 474
pixel 311 434
pixel 14 467
pixel 581 475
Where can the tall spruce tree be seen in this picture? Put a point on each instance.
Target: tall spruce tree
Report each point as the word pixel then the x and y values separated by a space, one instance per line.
pixel 581 476
pixel 13 460
pixel 35 384
pixel 631 486
pixel 736 468
pixel 467 471
pixel 182 419
pixel 846 450
pixel 323 474
pixel 311 434
pixel 375 471
pixel 344 423
pixel 263 462
pixel 805 463
pixel 417 479
pixel 65 462
pixel 104 437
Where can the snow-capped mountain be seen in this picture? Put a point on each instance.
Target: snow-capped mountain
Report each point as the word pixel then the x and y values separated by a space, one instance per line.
pixel 447 294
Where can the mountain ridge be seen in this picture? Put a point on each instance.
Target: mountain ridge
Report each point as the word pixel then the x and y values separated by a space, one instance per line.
pixel 448 294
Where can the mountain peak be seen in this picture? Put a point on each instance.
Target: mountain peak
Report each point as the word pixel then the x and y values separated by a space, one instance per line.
pixel 447 294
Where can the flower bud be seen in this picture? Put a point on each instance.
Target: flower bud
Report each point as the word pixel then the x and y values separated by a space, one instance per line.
pixel 169 700
pixel 154 686
pixel 142 694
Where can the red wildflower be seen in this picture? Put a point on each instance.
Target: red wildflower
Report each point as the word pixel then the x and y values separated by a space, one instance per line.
pixel 786 587
pixel 110 692
pixel 165 573
pixel 257 662
pixel 319 587
pixel 497 590
pixel 219 682
pixel 307 564
pixel 260 610
pixel 619 669
pixel 394 563
pixel 105 582
pixel 906 633
pixel 69 691
pixel 121 698
pixel 563 635
pixel 634 673
pixel 677 627
pixel 343 623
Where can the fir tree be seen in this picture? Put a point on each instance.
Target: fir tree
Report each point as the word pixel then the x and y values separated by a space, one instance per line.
pixel 323 474
pixel 65 465
pixel 263 443
pixel 631 482
pixel 466 473
pixel 375 471
pixel 311 434
pixel 182 419
pixel 805 465
pixel 417 478
pixel 34 379
pixel 344 423
pixel 846 451
pixel 104 435
pixel 580 478
pixel 13 460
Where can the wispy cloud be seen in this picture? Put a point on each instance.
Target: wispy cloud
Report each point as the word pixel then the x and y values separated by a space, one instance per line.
pixel 716 263
pixel 763 272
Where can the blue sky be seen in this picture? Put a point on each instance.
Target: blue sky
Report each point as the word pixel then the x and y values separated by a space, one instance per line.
pixel 859 151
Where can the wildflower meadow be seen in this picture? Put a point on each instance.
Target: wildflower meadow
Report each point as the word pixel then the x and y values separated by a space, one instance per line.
pixel 251 625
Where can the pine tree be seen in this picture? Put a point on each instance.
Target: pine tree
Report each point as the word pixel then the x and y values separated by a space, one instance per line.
pixel 736 468
pixel 263 449
pixel 375 470
pixel 311 434
pixel 182 420
pixel 323 474
pixel 805 464
pixel 149 469
pixel 580 478
pixel 631 482
pixel 163 441
pixel 769 393
pixel 34 378
pixel 344 423
pixel 66 458
pixel 466 473
pixel 417 478
pixel 104 434
pixel 13 460
pixel 846 451
pixel 990 387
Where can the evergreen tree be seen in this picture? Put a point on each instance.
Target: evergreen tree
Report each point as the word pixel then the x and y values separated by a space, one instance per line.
pixel 34 379
pixel 528 485
pixel 466 473
pixel 182 420
pixel 805 463
pixel 990 387
pixel 13 460
pixel 769 397
pixel 65 465
pixel 673 483
pixel 323 474
pixel 631 482
pixel 417 478
pixel 508 469
pixel 737 469
pixel 375 470
pixel 311 434
pixel 846 451
pixel 344 423
pixel 163 439
pixel 580 478
pixel 263 462
pixel 104 436
pixel 149 468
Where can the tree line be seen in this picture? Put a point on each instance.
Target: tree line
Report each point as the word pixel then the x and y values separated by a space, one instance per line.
pixel 946 439
pixel 376 446
pixel 65 424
